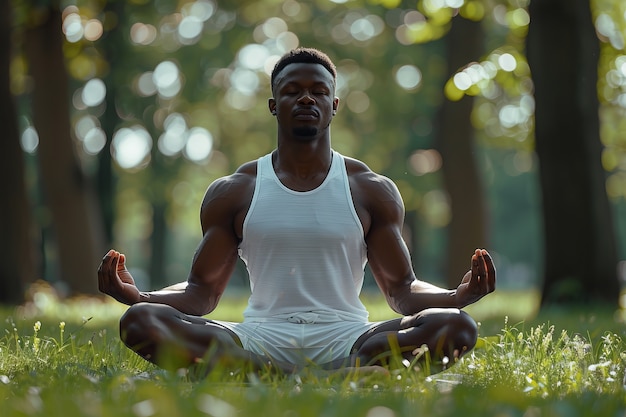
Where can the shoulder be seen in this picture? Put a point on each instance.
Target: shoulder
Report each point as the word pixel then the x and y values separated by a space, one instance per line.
pixel 238 181
pixel 370 185
pixel 233 191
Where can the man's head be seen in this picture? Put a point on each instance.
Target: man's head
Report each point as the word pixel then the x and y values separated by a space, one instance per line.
pixel 303 56
pixel 303 88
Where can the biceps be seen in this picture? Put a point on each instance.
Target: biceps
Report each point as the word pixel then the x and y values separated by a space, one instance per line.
pixel 215 258
pixel 389 258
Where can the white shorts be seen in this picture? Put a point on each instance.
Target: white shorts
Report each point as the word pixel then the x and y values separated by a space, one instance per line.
pixel 299 343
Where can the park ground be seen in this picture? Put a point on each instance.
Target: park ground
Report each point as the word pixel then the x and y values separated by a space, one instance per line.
pixel 65 359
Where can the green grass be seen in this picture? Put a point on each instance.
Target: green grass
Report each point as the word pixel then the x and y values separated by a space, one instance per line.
pixel 65 359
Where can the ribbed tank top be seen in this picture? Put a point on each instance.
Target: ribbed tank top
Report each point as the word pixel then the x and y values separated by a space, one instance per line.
pixel 305 251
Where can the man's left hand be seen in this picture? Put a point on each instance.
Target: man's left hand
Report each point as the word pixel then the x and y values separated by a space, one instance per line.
pixel 479 281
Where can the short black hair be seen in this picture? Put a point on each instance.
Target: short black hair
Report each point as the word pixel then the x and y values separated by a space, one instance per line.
pixel 303 55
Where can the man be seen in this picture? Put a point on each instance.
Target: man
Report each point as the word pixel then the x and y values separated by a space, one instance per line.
pixel 305 220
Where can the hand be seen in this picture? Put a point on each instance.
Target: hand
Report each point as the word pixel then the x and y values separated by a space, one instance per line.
pixel 115 280
pixel 479 281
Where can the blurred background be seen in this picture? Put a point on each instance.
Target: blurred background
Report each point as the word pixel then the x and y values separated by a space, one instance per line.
pixel 501 121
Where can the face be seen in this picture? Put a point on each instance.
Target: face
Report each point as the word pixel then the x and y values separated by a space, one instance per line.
pixel 304 101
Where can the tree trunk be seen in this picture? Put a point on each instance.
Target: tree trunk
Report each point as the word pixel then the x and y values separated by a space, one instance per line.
pixel 158 245
pixel 67 194
pixel 580 249
pixel 16 244
pixel 114 48
pixel 455 136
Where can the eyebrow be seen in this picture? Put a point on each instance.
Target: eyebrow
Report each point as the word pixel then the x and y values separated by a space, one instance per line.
pixel 315 84
pixel 327 84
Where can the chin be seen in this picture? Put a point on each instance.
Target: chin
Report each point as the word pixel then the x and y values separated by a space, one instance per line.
pixel 308 132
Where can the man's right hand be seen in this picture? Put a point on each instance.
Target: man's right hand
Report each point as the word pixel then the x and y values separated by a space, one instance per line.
pixel 115 280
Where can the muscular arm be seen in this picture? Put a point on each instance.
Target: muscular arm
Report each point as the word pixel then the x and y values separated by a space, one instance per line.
pixel 211 268
pixel 389 257
pixel 213 262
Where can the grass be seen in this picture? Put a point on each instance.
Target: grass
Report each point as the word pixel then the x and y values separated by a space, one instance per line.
pixel 65 359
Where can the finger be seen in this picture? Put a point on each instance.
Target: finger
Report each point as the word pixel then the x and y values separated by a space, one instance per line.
pixel 111 268
pixel 115 264
pixel 491 270
pixel 104 271
pixel 482 271
pixel 105 264
pixel 104 258
pixel 475 273
pixel 485 272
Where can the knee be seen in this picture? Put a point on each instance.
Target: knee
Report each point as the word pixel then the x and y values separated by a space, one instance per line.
pixel 456 331
pixel 137 324
pixel 465 330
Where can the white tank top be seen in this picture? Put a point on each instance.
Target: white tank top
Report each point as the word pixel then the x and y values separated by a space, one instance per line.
pixel 305 251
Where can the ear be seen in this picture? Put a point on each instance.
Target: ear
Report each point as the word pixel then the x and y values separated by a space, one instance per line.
pixel 271 104
pixel 335 105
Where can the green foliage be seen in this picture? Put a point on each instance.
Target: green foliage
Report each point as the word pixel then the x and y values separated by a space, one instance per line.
pixel 379 122
pixel 545 363
pixel 75 368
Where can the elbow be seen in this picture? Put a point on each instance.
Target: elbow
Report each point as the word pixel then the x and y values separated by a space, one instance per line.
pixel 397 305
pixel 399 299
pixel 198 310
pixel 200 302
pixel 202 307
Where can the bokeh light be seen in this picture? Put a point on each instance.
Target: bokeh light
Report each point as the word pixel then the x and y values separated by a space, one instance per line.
pixel 29 139
pixel 199 145
pixel 610 31
pixel 190 29
pixel 88 131
pixel 172 141
pixel 367 27
pixel 94 92
pixel 358 101
pixel 253 56
pixel 95 140
pixel 408 77
pixel 424 161
pixel 145 85
pixel 507 62
pixel 286 41
pixel 131 147
pixel 167 79
pixel 196 144
pixel 273 27
pixel 73 27
pixel 202 9
pixel 142 34
pixel 244 81
pixel 93 30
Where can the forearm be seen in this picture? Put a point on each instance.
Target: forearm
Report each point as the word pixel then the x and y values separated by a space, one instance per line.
pixel 419 295
pixel 186 298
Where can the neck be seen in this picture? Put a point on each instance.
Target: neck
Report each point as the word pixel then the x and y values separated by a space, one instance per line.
pixel 301 167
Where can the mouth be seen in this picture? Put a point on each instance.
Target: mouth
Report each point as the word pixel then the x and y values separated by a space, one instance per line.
pixel 305 114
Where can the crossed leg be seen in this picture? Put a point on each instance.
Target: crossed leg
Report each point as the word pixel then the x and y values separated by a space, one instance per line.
pixel 172 340
pixel 447 332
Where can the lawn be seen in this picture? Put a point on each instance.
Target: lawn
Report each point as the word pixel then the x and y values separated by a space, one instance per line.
pixel 65 359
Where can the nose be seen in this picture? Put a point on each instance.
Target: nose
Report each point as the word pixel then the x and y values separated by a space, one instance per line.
pixel 306 98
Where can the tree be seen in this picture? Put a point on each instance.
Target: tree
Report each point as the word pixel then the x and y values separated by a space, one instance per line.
pixel 15 226
pixel 77 229
pixel 580 250
pixel 455 137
